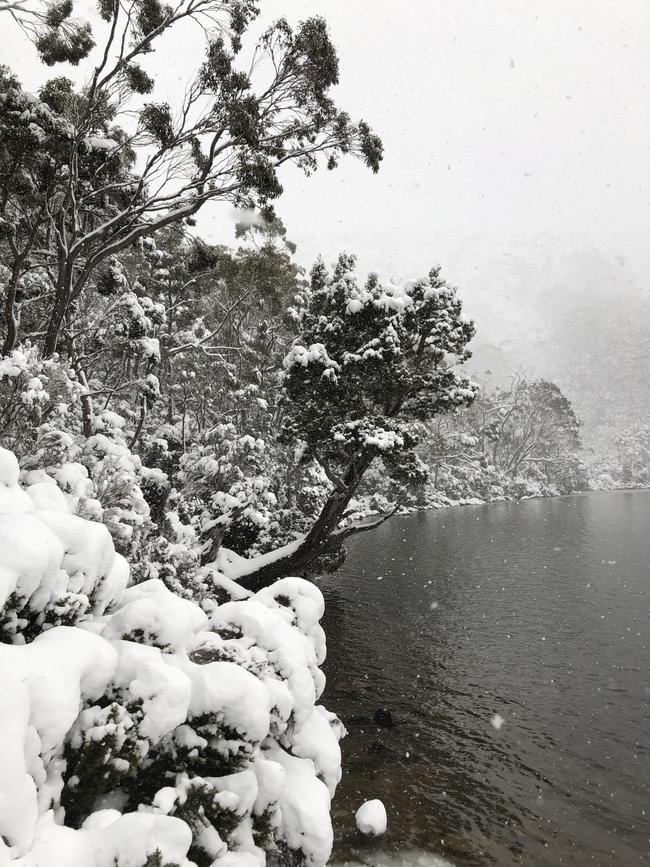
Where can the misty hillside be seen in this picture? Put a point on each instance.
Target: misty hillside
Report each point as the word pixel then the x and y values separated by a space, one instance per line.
pixel 579 320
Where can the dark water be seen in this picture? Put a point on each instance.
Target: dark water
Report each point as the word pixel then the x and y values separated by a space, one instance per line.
pixel 537 612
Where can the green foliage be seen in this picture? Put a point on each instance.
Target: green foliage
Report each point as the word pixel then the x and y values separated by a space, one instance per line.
pixel 106 8
pixel 103 751
pixel 151 15
pixel 201 809
pixel 624 461
pixel 157 121
pixel 60 44
pixel 155 860
pixel 369 363
pixel 57 13
pixel 137 78
pixel 264 826
pixel 226 141
pixel 58 94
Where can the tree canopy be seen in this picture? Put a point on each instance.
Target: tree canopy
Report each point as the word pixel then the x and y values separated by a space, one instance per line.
pixel 237 123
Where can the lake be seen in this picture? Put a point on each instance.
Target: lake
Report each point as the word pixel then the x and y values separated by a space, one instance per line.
pixel 510 645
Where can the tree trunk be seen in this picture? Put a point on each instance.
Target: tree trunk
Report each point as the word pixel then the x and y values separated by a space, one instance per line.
pixel 62 297
pixel 318 541
pixel 12 314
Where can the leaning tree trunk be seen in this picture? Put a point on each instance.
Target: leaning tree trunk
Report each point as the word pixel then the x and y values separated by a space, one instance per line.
pixel 323 537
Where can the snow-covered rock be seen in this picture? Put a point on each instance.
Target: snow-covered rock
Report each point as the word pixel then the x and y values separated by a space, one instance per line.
pixel 371 818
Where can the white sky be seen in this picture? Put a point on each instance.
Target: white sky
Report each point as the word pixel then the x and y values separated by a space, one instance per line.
pixel 517 139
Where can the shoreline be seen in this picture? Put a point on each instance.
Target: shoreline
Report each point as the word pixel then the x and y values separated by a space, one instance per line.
pixel 404 511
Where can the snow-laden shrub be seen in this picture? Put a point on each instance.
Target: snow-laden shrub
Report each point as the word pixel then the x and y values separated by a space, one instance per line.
pixel 102 478
pixel 40 420
pixel 34 391
pixel 138 729
pixel 227 490
pixel 117 475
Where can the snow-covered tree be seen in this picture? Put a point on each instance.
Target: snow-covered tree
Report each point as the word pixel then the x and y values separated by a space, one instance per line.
pixel 227 139
pixel 511 442
pixel 370 364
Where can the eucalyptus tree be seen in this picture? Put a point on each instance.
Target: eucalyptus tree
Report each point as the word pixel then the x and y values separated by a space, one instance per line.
pixel 535 424
pixel 237 123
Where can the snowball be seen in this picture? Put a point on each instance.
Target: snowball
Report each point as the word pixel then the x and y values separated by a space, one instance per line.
pixel 371 818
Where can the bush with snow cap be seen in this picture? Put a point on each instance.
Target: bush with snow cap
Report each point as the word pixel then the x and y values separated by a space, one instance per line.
pixel 138 729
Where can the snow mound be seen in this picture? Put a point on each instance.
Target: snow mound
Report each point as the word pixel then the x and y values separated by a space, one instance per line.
pixel 371 818
pixel 136 729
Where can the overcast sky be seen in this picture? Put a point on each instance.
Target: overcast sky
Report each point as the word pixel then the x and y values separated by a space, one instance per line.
pixel 517 142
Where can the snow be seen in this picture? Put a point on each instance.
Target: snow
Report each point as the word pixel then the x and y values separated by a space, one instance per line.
pixel 151 610
pixel 94 142
pixel 302 356
pixel 384 440
pixel 292 655
pixel 47 496
pixel 234 693
pixel 305 804
pixel 125 840
pixel 233 566
pixel 88 662
pixel 318 740
pixel 150 348
pixel 9 469
pixel 371 818
pixel 12 498
pixel 404 858
pixel 146 675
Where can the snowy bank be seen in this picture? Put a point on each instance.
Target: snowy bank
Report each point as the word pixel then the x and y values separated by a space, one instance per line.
pixel 138 729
